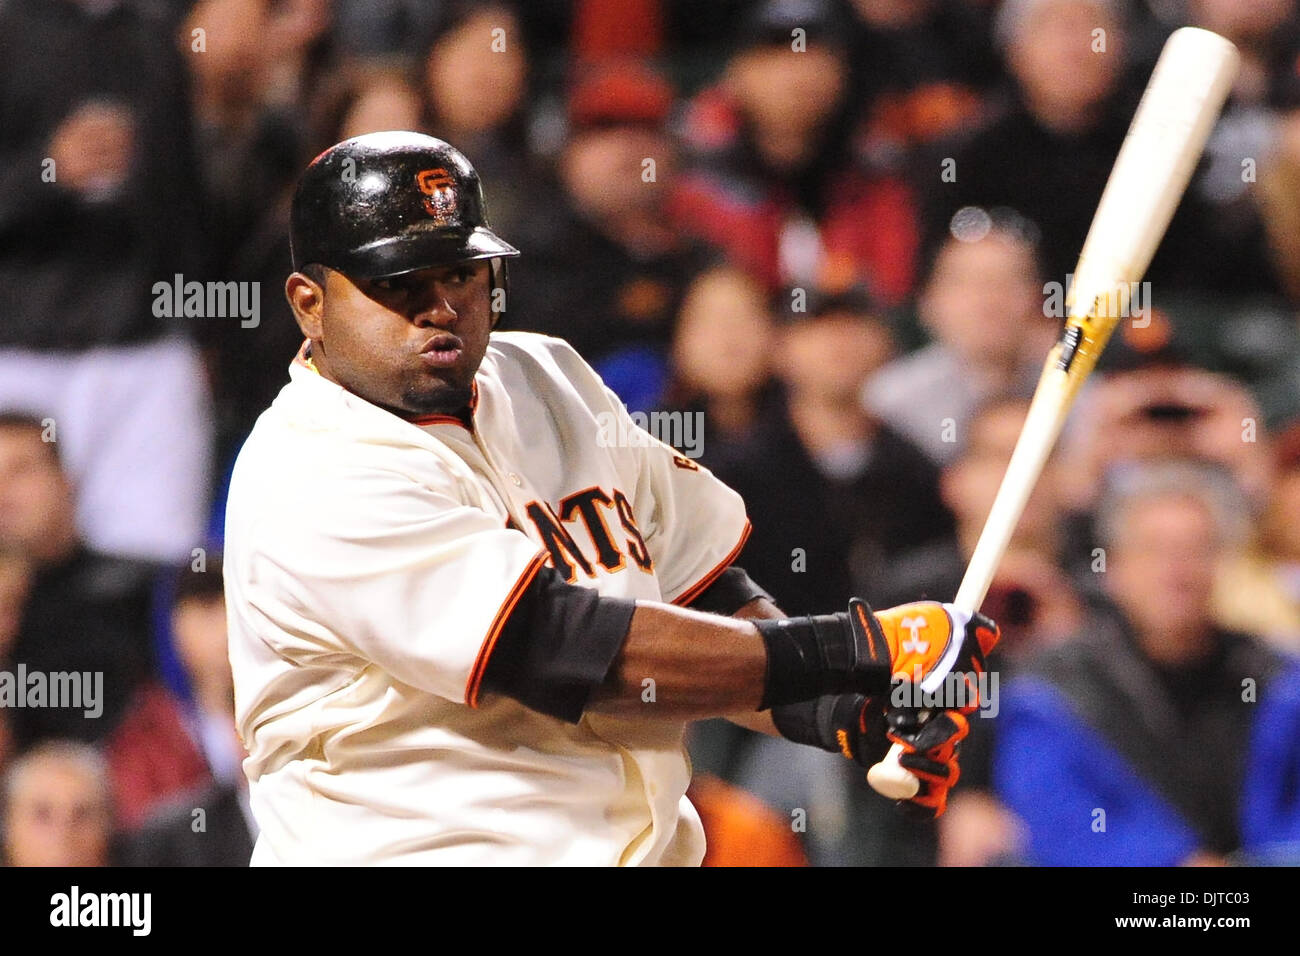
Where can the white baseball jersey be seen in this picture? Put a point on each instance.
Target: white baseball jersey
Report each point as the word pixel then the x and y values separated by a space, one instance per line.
pixel 370 564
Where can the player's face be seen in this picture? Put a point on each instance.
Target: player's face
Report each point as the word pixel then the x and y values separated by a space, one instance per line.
pixel 411 343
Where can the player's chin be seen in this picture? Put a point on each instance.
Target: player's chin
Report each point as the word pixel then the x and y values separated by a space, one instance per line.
pixel 445 396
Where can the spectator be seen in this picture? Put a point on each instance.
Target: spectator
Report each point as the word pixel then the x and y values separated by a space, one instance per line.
pixel 977 830
pixel 98 202
pixel 1254 341
pixel 379 100
pixel 1163 408
pixel 772 183
pixel 982 304
pixel 825 484
pixel 722 357
pixel 924 67
pixel 84 611
pixel 1032 596
pixel 167 744
pixel 1258 590
pixel 15 584
pixel 251 78
pixel 169 836
pixel 1247 145
pixel 476 84
pixel 57 808
pixel 255 106
pixel 387 30
pixel 1156 737
pixel 1269 36
pixel 1064 122
pixel 610 277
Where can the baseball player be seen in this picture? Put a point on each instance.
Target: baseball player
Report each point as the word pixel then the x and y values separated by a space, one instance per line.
pixel 465 628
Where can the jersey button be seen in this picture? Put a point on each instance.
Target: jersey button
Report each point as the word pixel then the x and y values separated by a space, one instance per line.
pixel 516 479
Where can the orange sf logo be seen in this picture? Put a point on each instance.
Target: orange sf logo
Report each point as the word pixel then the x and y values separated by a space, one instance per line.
pixel 439 192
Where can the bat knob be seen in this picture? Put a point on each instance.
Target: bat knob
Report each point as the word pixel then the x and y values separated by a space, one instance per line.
pixel 889 779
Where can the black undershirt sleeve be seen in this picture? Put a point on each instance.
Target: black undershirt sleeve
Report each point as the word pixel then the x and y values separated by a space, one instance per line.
pixel 729 592
pixel 557 646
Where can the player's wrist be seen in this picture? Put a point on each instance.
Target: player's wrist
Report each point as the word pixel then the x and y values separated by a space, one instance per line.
pixel 811 657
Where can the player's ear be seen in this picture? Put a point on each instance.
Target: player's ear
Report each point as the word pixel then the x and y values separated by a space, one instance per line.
pixel 307 299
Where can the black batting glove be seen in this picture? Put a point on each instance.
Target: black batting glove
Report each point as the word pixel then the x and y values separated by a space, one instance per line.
pixel 848 724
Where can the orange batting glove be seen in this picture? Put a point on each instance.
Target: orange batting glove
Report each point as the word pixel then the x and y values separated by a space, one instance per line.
pixel 928 641
pixel 930 746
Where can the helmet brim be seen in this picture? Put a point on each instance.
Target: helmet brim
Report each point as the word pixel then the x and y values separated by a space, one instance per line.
pixel 413 251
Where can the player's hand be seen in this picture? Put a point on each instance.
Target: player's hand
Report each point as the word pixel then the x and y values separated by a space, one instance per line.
pixel 925 640
pixel 930 746
pixel 856 725
pixel 959 644
pixel 862 728
pixel 862 652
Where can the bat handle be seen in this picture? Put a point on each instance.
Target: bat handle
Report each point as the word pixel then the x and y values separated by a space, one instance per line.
pixel 889 779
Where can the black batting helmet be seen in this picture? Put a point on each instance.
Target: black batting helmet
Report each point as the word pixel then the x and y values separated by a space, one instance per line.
pixel 385 204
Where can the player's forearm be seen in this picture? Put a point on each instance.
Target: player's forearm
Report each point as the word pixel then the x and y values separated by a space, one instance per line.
pixel 565 650
pixel 681 664
pixel 758 720
pixel 688 665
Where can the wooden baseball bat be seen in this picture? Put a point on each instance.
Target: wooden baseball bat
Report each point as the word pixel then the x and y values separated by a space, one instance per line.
pixel 1182 100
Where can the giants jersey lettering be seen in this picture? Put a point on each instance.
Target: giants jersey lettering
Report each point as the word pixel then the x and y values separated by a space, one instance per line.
pixel 370 565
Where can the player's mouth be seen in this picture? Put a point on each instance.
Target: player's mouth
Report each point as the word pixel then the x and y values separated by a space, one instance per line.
pixel 442 350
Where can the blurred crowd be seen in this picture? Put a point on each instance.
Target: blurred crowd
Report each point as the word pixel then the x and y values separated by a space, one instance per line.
pixel 839 230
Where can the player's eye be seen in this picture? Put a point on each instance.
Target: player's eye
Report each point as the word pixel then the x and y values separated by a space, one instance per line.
pixel 394 284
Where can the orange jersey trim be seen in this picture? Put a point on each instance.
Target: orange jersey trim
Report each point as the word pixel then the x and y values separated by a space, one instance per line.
pixel 475 682
pixel 452 419
pixel 437 420
pixel 700 586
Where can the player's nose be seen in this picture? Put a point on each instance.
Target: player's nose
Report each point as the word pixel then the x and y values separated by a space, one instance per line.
pixel 432 308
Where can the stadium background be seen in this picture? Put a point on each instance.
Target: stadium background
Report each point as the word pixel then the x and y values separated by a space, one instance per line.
pixel 837 235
